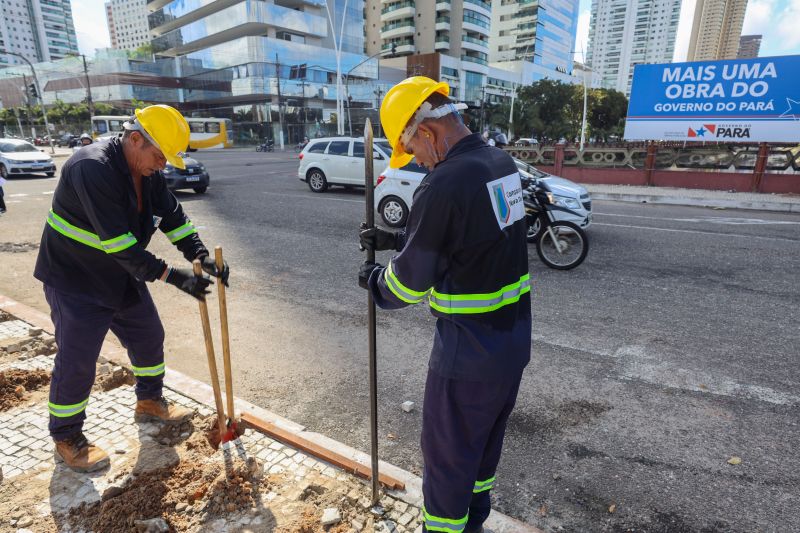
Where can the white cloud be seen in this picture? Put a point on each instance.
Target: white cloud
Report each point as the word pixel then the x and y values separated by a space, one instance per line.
pixel 758 17
pixel 89 17
pixel 786 36
pixel 684 31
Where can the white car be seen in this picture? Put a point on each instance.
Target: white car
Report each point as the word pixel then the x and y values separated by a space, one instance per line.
pixel 338 161
pixel 394 194
pixel 21 157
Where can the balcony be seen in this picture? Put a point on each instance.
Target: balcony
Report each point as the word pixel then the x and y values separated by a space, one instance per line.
pixel 473 43
pixel 405 46
pixel 398 28
pixel 398 11
pixel 442 42
pixel 443 5
pixel 473 59
pixel 480 6
pixel 443 23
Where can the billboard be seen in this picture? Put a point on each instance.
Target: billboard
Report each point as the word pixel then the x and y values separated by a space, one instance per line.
pixel 737 100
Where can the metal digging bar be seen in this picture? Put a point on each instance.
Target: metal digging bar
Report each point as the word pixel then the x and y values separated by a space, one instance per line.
pixel 369 184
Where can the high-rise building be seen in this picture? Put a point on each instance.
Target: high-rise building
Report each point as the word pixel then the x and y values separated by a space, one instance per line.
pixel 40 30
pixel 457 28
pixel 716 29
pixel 749 46
pixel 536 31
pixel 127 23
pixel 626 33
pixel 274 62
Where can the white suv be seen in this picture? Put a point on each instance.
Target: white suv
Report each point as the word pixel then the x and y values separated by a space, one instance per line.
pixel 21 157
pixel 338 161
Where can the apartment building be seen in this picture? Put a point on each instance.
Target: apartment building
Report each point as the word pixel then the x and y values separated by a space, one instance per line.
pixel 749 46
pixel 626 33
pixel 39 30
pixel 716 29
pixel 127 23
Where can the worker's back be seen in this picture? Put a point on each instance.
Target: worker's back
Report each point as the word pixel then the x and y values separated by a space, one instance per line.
pixel 468 212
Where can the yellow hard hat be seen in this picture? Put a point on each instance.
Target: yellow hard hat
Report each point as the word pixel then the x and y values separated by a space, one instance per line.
pixel 399 105
pixel 165 127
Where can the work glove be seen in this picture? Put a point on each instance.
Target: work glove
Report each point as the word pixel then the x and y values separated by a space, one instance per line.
pixel 364 272
pixel 377 239
pixel 185 280
pixel 210 267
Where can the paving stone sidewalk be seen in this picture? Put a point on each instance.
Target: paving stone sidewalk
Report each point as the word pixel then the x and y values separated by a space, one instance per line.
pixel 26 459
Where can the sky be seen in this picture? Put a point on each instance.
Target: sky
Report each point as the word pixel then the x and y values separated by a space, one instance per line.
pixel 780 38
pixel 776 20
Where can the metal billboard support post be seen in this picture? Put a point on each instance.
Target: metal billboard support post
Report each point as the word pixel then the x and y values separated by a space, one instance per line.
pixel 369 184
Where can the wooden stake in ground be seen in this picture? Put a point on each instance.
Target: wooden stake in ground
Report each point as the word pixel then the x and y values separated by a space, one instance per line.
pixel 231 432
pixel 212 361
pixel 369 183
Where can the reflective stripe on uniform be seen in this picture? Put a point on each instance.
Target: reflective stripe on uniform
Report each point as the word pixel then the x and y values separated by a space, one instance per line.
pixel 181 232
pixel 480 303
pixel 63 411
pixel 409 296
pixel 110 246
pixel 448 525
pixel 481 486
pixel 145 371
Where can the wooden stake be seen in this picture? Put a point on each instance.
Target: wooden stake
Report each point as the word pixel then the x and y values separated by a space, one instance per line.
pixel 226 343
pixel 212 361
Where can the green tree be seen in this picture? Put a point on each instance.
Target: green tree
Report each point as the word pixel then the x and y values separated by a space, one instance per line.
pixel 545 105
pixel 606 116
pixel 106 109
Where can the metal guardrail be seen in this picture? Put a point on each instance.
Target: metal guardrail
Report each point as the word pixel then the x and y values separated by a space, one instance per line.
pixel 731 158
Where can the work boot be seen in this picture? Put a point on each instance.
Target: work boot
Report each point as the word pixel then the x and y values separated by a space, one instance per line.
pixel 161 410
pixel 79 455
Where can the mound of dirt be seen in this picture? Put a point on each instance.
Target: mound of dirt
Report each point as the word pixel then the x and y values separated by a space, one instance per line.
pixel 200 485
pixel 117 378
pixel 16 384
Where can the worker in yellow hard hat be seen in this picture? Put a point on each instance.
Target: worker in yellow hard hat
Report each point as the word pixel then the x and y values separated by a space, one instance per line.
pixel 464 253
pixel 94 265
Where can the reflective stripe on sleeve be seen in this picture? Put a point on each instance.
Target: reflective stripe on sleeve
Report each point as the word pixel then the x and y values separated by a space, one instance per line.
pixel 145 371
pixel 401 291
pixel 480 303
pixel 447 525
pixel 482 486
pixel 110 246
pixel 181 232
pixel 63 411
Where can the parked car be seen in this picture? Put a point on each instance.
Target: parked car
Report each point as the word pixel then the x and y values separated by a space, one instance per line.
pixel 21 157
pixel 194 176
pixel 67 140
pixel 338 161
pixel 395 188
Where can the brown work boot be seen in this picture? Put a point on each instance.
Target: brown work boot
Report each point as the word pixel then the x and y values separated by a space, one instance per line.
pixel 161 410
pixel 79 455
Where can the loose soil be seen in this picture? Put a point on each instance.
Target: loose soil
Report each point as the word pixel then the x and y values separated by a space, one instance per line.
pixel 118 377
pixel 16 386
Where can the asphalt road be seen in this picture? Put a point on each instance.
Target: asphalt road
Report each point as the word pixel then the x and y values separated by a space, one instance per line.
pixel 673 348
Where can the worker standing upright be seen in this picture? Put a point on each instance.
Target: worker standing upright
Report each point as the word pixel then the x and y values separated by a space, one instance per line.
pixel 93 263
pixel 464 250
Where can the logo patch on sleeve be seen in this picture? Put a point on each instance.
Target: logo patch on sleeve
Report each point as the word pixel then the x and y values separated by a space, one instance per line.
pixel 506 197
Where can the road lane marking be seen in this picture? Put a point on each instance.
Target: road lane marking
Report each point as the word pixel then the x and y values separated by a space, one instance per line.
pixel 698 232
pixel 308 197
pixel 713 220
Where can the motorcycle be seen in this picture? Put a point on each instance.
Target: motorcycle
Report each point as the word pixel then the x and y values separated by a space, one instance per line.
pixel 560 244
pixel 266 146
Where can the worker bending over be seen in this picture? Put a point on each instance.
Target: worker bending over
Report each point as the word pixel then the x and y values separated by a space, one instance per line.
pixel 464 251
pixel 93 262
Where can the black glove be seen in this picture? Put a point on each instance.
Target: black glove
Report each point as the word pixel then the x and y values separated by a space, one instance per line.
pixel 185 280
pixel 210 267
pixel 377 239
pixel 364 273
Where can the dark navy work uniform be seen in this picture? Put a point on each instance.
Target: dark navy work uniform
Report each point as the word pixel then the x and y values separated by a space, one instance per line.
pixel 465 252
pixel 94 265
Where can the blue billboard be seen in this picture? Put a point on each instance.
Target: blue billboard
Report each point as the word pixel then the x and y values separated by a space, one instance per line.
pixel 756 100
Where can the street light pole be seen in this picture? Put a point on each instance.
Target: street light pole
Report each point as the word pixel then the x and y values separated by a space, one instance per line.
pixel 41 96
pixel 514 94
pixel 338 47
pixel 392 52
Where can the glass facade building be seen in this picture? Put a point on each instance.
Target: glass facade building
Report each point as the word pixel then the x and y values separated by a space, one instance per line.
pixel 266 63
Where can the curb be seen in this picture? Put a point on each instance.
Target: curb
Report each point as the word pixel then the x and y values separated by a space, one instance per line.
pixel 784 207
pixel 203 393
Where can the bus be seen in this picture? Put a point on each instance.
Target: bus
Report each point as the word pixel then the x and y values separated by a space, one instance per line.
pixel 204 132
pixel 210 133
